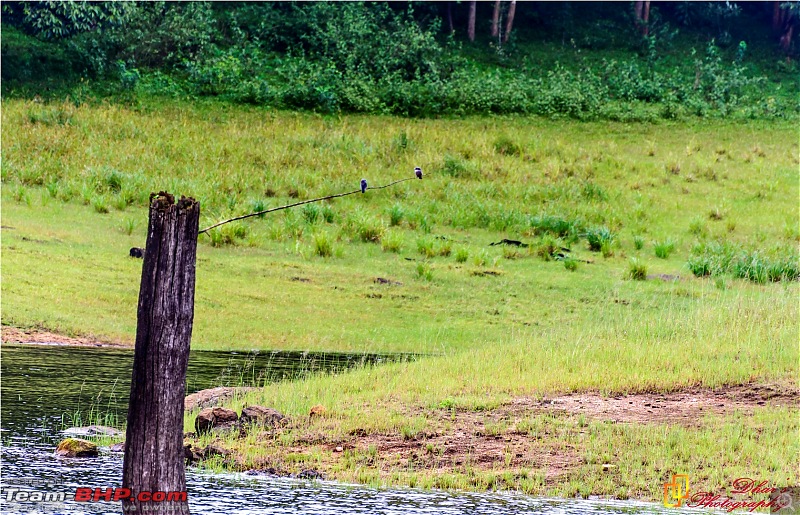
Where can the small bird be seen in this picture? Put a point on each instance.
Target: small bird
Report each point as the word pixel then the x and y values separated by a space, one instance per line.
pixel 418 172
pixel 363 185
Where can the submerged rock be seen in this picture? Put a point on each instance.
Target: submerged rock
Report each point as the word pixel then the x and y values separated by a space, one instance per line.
pixel 309 474
pixel 77 448
pixel 262 416
pixel 215 418
pixel 92 431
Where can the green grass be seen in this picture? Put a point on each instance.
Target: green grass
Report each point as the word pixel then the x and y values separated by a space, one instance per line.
pixel 543 326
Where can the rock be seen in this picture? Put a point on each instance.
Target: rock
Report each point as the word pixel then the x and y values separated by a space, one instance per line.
pixel 269 471
pixel 92 431
pixel 117 447
pixel 137 252
pixel 261 416
pixel 213 396
pixel 77 448
pixel 212 450
pixel 607 467
pixel 213 418
pixel 338 448
pixel 317 411
pixel 191 454
pixel 308 474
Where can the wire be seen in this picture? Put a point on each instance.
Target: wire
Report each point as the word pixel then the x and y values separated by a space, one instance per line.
pixel 265 211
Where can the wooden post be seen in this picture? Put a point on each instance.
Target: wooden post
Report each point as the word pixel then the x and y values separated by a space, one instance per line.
pixel 154 455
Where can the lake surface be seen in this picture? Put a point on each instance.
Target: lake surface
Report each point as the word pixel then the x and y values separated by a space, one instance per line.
pixel 43 388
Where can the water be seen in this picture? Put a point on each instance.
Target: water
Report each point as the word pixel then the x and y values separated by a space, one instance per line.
pixel 41 383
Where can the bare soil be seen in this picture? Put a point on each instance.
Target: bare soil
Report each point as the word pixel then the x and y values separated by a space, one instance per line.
pixel 491 439
pixel 10 334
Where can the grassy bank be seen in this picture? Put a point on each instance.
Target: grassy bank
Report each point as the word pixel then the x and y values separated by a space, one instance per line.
pixel 599 205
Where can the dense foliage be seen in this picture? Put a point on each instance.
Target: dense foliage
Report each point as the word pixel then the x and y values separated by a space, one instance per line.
pixel 694 59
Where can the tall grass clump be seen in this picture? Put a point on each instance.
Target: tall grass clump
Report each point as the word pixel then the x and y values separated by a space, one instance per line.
pixel 637 270
pixel 600 239
pixel 506 146
pixel 663 248
pixel 311 213
pixel 555 225
pixel 424 271
pixel 229 234
pixel 323 247
pixel 369 230
pixel 457 168
pixel 395 215
pixel 426 246
pixel 462 254
pixel 257 206
pixel 638 242
pixel 713 258
pixel 392 241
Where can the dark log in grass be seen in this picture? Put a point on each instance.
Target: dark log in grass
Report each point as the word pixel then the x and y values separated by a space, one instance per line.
pixel 154 454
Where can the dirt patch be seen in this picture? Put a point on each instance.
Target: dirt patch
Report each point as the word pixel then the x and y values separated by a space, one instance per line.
pixel 495 440
pixel 13 335
pixel 684 407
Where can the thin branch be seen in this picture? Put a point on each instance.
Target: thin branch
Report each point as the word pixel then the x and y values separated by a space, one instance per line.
pixel 279 208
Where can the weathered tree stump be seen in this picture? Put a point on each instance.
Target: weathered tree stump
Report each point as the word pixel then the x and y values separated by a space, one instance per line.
pixel 154 453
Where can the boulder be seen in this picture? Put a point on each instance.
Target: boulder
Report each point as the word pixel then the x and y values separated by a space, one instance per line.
pixel 117 447
pixel 191 454
pixel 215 418
pixel 261 416
pixel 212 450
pixel 77 448
pixel 213 396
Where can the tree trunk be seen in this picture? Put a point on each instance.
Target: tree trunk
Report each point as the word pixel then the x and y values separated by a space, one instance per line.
pixel 450 17
pixel 471 22
pixel 154 454
pixel 641 9
pixel 777 16
pixel 510 22
pixel 496 19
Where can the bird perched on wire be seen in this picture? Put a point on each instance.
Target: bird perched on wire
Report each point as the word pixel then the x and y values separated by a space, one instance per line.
pixel 363 185
pixel 418 172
